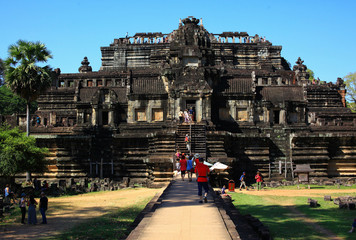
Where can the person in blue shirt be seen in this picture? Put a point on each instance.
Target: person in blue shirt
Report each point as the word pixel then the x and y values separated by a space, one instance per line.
pixel 190 168
pixel 242 180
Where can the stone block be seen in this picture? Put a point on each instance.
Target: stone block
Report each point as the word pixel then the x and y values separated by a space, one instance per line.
pixel 327 198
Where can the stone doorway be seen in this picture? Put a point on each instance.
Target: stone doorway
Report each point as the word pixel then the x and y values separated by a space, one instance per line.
pixel 190 104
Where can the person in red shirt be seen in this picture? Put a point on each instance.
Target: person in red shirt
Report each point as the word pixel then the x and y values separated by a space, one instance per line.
pixel 258 178
pixel 183 166
pixel 202 171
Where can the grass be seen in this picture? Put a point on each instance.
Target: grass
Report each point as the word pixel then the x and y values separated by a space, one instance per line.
pixel 284 224
pixel 329 216
pixel 11 217
pixel 312 186
pixel 114 225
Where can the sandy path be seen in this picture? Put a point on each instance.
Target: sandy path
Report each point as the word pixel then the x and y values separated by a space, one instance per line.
pixel 65 212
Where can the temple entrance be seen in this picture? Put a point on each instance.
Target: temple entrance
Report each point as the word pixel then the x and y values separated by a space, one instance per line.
pixel 190 106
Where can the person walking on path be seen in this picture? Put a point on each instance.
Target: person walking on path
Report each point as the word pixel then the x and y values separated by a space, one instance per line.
pixel 183 166
pixel 32 217
pixel 23 202
pixel 202 171
pixel 259 180
pixel 43 207
pixel 190 168
pixel 242 180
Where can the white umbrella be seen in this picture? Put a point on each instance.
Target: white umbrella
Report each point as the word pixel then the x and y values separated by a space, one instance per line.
pixel 219 166
pixel 208 164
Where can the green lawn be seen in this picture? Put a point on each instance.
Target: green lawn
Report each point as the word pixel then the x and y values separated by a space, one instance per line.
pixel 283 223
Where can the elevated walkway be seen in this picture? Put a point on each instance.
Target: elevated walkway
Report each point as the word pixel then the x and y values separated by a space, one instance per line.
pixel 180 216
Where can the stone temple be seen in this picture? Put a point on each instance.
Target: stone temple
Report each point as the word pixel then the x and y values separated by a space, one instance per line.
pixel 251 110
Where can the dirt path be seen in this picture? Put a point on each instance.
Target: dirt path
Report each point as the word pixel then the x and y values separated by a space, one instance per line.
pixel 65 212
pixel 306 193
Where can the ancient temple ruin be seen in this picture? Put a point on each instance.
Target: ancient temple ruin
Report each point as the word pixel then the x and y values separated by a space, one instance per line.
pixel 251 110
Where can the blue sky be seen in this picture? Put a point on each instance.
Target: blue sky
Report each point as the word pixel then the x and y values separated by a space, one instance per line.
pixel 321 32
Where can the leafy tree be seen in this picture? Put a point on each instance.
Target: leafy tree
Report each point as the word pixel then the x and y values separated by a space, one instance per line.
pixel 311 74
pixel 19 153
pixel 1 72
pixel 11 103
pixel 350 82
pixel 23 76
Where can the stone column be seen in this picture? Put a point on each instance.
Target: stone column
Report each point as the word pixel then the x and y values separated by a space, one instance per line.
pixel 198 110
pixel 282 116
pixel 111 118
pixel 94 116
pixel 208 108
pixel 233 39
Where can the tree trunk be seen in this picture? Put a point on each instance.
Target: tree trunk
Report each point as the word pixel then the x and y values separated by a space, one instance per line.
pixel 28 174
pixel 28 119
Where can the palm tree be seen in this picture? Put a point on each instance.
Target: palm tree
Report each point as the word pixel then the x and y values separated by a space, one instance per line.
pixel 23 76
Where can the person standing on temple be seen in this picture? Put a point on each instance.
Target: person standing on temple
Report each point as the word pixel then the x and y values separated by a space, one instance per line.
pixel 43 207
pixel 23 203
pixel 259 180
pixel 181 117
pixel 242 180
pixel 202 171
pixel 186 116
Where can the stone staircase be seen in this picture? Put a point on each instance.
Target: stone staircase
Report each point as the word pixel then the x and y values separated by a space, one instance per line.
pixel 279 152
pixel 197 133
pixel 161 151
pixel 216 149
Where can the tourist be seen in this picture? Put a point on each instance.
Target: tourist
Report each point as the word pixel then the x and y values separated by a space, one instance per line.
pixel 190 168
pixel 44 186
pixel 38 121
pixel 36 184
pixel 223 190
pixel 43 207
pixel 353 226
pixel 259 180
pixel 183 166
pixel 191 112
pixel 23 202
pixel 9 195
pixel 177 154
pixel 181 117
pixel 178 166
pixel 187 141
pixel 186 116
pixel 242 180
pixel 196 160
pixel 32 218
pixel 202 171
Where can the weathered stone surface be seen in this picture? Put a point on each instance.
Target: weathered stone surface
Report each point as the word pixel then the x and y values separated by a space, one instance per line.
pixel 251 111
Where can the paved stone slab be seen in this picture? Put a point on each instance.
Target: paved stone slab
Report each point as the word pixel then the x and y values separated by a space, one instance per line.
pixel 180 216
